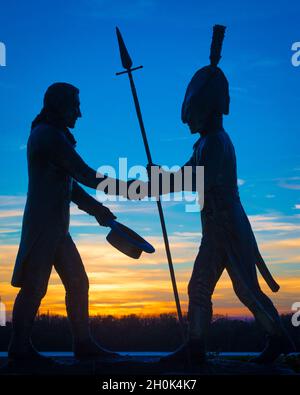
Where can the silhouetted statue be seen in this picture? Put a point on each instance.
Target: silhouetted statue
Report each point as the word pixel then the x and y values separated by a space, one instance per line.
pixel 55 171
pixel 227 238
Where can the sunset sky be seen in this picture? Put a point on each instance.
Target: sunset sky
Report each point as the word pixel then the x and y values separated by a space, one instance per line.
pixel 75 42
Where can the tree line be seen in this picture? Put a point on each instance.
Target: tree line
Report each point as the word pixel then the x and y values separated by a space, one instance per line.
pixel 148 333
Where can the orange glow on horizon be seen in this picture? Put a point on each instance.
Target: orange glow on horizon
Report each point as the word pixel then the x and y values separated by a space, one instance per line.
pixel 122 286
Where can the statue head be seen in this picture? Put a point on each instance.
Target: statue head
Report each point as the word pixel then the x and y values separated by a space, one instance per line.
pixel 207 95
pixel 62 101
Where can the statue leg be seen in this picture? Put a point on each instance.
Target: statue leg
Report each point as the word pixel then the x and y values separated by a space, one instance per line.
pixel 25 309
pixel 70 268
pixel 208 267
pixel 71 271
pixel 36 275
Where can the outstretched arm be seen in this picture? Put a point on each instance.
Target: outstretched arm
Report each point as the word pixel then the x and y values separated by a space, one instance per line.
pixel 186 178
pixel 60 152
pixel 165 182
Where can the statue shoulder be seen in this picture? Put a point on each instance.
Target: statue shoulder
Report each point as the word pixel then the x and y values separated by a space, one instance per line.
pixel 44 136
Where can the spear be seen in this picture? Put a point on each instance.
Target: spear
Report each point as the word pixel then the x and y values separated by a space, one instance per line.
pixel 127 64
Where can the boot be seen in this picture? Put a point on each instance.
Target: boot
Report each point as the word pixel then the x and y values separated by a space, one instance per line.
pixel 192 352
pixel 21 350
pixel 27 357
pixel 89 349
pixel 276 345
pixel 84 346
pixel 24 354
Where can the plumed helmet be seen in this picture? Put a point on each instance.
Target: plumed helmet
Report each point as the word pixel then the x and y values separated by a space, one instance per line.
pixel 208 90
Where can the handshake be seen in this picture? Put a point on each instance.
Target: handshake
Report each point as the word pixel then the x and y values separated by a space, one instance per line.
pixel 138 189
pixel 132 190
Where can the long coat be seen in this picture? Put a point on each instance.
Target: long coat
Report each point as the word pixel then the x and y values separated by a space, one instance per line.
pixel 54 167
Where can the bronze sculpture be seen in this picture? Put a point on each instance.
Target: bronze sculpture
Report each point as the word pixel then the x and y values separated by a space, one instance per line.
pixel 55 170
pixel 227 238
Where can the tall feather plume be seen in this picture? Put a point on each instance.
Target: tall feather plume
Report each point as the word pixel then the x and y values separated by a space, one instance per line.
pixel 216 44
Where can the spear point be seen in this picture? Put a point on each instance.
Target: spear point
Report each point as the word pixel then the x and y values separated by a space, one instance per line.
pixel 125 58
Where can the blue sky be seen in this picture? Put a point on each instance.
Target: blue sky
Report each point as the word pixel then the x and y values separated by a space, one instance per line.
pixel 75 42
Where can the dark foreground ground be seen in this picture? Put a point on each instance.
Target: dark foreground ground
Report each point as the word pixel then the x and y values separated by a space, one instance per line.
pixel 150 365
pixel 227 337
